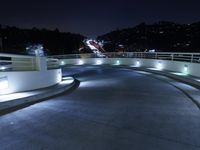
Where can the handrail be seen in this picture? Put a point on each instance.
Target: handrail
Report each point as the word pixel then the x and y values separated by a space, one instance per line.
pixel 52 63
pixel 172 56
pixel 13 62
pixel 14 55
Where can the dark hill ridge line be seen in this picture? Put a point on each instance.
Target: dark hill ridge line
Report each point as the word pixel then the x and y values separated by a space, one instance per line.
pixel 15 40
pixel 162 36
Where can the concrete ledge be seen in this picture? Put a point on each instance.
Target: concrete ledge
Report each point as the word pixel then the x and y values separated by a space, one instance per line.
pixel 190 86
pixel 187 79
pixel 7 104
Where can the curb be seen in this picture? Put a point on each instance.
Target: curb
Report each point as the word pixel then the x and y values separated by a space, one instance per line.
pixel 185 80
pixel 14 105
pixel 182 79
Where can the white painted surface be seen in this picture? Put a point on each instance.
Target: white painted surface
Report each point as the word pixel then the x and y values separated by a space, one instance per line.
pixel 30 80
pixel 174 66
pixel 19 81
pixel 25 79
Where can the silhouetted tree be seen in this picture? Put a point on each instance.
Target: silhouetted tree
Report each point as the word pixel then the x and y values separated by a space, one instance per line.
pixel 55 42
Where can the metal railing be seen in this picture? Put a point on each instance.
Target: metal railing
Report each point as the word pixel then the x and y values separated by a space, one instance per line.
pixel 11 62
pixel 52 63
pixel 186 57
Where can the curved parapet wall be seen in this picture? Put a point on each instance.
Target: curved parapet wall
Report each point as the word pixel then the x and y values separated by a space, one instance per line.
pixel 177 63
pixel 28 80
pixel 22 73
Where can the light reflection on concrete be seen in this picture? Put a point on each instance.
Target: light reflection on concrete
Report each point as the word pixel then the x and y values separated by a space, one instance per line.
pixel 143 72
pixel 101 83
pixel 15 96
pixel 179 73
pixel 156 69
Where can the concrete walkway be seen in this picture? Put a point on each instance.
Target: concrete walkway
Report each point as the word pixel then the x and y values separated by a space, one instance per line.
pixel 113 109
pixel 189 85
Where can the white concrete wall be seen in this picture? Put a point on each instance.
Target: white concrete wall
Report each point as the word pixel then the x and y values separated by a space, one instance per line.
pixel 19 81
pixel 174 66
pixel 30 80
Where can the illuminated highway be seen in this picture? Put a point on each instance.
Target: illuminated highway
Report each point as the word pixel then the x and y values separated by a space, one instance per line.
pixel 112 109
pixel 95 47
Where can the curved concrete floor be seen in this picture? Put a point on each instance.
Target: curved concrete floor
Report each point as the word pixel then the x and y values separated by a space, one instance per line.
pixel 113 109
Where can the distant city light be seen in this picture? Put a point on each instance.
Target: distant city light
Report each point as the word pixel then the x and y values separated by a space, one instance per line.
pixel 3 83
pixel 90 45
pixel 152 50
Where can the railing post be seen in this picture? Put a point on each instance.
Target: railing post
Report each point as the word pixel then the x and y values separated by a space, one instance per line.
pixel 172 55
pixel 32 63
pixel 192 57
pixel 41 63
pixel 156 56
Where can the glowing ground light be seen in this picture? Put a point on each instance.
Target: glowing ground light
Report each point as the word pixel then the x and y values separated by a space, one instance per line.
pixel 62 62
pixel 137 63
pixel 80 62
pixel 159 65
pixel 2 68
pixel 185 69
pixel 3 83
pixel 98 62
pixel 117 62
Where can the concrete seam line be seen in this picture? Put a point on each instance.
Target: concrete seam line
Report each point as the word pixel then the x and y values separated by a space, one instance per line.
pixel 177 79
pixel 183 91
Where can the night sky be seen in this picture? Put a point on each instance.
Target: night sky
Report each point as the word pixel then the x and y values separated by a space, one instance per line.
pixel 92 17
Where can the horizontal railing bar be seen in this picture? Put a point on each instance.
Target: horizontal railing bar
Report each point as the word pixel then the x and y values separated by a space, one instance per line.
pixel 15 55
pixel 173 56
